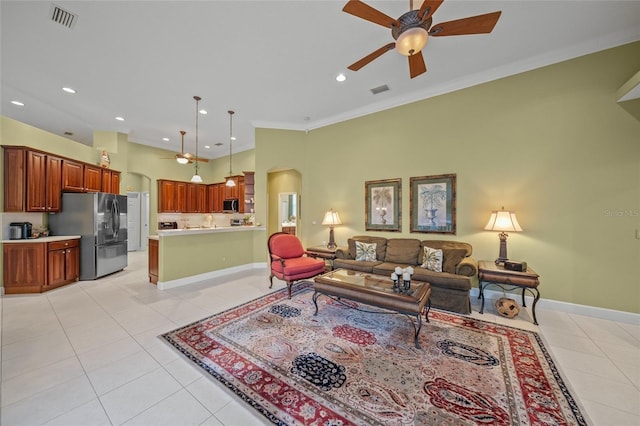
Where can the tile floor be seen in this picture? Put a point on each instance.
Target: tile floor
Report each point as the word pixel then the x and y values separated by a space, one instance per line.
pixel 88 354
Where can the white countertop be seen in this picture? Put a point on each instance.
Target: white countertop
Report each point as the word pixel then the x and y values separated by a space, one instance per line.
pixel 199 231
pixel 44 239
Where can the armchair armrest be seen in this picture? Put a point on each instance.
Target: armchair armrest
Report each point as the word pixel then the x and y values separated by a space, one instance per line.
pixel 467 267
pixel 275 257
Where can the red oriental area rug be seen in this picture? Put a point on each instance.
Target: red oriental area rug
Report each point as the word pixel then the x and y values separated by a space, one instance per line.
pixel 348 367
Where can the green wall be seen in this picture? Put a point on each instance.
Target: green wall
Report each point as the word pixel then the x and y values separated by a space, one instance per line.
pixel 551 144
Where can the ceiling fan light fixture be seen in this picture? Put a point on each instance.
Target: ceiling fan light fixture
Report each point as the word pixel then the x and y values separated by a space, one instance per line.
pixel 182 160
pixel 411 41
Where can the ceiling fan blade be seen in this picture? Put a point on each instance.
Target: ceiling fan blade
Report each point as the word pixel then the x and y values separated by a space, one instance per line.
pixel 368 13
pixel 481 24
pixel 428 8
pixel 371 56
pixel 416 65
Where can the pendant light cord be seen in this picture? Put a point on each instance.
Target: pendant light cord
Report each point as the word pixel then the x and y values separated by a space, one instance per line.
pixel 197 98
pixel 230 138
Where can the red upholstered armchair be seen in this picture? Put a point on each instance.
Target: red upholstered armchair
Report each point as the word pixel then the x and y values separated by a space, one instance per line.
pixel 288 260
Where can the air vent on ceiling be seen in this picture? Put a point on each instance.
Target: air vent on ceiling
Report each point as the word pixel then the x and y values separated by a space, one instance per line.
pixel 379 89
pixel 63 17
pixel 218 144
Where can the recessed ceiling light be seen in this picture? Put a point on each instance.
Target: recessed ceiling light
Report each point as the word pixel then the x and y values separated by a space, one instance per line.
pixel 120 118
pixel 207 146
pixel 341 77
pixel 69 90
pixel 165 139
pixel 233 138
pixel 17 103
pixel 203 111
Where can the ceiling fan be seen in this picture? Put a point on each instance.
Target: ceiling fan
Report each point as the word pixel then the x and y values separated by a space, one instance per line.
pixel 412 29
pixel 185 157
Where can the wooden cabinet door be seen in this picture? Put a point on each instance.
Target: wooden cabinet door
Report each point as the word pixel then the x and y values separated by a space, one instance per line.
pixel 106 180
pixel 36 182
pixel 221 196
pixel 166 196
pixel 153 260
pixel 92 178
pixel 192 198
pixel 72 176
pixel 241 196
pixel 201 199
pixel 56 267
pixel 23 267
pixel 72 264
pixel 212 197
pixel 181 197
pixel 14 179
pixel 54 184
pixel 115 182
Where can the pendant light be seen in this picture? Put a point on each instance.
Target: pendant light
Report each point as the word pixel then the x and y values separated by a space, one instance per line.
pixel 196 177
pixel 230 181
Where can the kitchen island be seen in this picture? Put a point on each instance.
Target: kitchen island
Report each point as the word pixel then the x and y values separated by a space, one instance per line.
pixel 184 256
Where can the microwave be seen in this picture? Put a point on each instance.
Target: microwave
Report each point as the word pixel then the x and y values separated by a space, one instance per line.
pixel 230 205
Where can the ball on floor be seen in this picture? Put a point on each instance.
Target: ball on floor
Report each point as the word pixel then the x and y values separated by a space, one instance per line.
pixel 507 307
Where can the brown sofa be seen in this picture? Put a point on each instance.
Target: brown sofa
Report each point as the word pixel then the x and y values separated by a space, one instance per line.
pixel 449 289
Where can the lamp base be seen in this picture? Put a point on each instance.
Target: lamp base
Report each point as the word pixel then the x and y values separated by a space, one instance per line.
pixel 332 242
pixel 502 256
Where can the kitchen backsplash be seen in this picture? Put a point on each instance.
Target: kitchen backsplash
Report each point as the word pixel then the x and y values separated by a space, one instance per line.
pixel 36 220
pixel 185 220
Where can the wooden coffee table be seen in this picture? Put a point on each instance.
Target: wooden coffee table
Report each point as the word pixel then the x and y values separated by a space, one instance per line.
pixel 375 290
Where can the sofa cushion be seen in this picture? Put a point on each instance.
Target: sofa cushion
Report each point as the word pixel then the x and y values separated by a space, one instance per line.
pixel 442 279
pixel 451 259
pixel 403 250
pixel 355 265
pixel 386 268
pixel 381 245
pixel 365 251
pixel 432 259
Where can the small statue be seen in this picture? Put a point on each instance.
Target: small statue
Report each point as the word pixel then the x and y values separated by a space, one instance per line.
pixel 105 161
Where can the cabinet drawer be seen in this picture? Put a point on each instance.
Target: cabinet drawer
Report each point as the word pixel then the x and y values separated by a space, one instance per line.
pixel 61 245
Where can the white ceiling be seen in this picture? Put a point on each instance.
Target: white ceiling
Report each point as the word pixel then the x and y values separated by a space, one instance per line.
pixel 273 62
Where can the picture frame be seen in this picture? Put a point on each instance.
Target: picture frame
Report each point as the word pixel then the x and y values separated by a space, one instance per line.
pixel 432 204
pixel 383 205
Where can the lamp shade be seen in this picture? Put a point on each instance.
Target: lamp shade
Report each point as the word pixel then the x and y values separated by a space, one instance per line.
pixel 196 178
pixel 504 221
pixel 331 218
pixel 230 182
pixel 182 160
pixel 412 41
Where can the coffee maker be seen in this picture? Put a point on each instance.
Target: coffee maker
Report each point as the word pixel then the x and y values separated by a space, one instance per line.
pixel 20 230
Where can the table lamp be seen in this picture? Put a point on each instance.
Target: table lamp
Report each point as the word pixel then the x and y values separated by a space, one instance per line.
pixel 503 221
pixel 331 218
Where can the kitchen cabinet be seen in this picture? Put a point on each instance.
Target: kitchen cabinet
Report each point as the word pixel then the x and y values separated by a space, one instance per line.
pixel 63 263
pixel 234 191
pixel 92 178
pixel 110 181
pixel 43 182
pixel 24 267
pixel 34 267
pixel 172 196
pixel 72 176
pixel 15 172
pixel 196 198
pixel 153 260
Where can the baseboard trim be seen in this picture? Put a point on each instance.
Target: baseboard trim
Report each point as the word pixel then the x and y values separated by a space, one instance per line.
pixel 195 279
pixel 571 308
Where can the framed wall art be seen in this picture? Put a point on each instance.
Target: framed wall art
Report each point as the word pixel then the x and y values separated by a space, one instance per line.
pixel 433 204
pixel 383 203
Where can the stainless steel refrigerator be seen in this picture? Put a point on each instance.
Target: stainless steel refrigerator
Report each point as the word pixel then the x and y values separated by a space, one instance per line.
pixel 101 221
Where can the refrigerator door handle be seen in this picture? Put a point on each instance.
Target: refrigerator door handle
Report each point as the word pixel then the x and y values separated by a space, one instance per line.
pixel 115 218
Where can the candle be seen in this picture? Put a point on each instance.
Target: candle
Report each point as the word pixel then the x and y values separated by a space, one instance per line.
pixel 398 270
pixel 394 276
pixel 406 276
pixel 410 270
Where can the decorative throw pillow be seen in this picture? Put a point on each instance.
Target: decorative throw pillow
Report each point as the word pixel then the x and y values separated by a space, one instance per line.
pixel 432 259
pixel 365 252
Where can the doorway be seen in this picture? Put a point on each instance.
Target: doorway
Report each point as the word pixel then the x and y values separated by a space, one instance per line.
pixel 137 220
pixel 288 212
